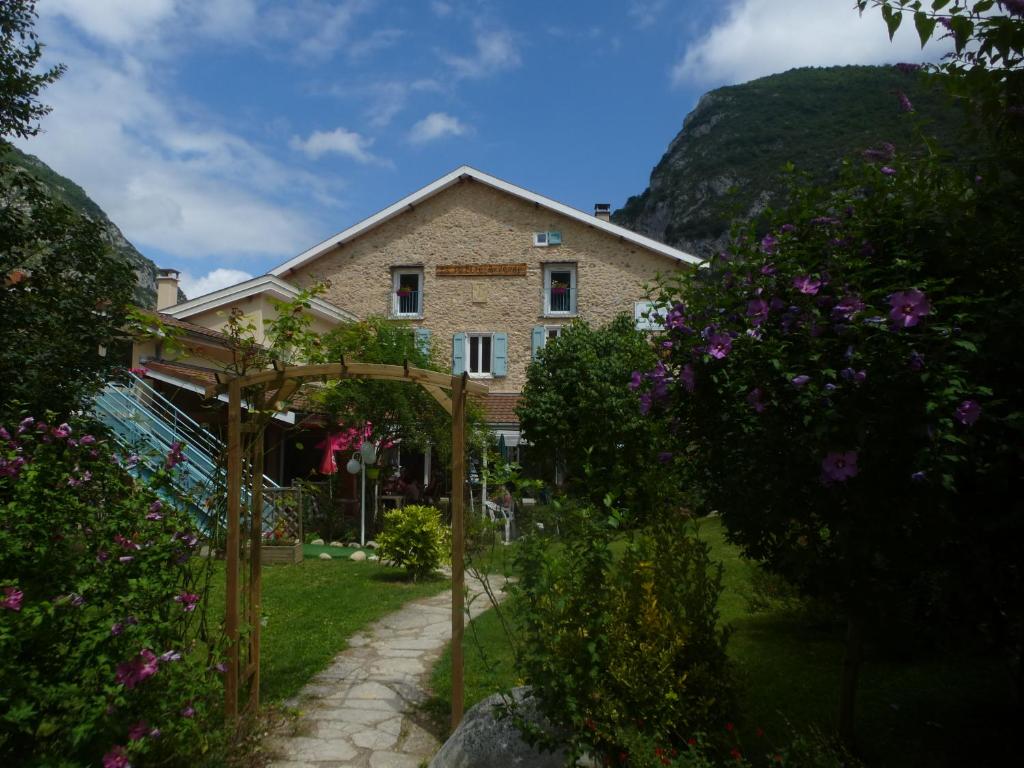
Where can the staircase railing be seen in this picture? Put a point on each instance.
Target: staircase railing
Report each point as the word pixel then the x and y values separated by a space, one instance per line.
pixel 146 422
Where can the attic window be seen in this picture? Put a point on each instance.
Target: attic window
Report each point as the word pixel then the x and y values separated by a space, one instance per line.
pixel 544 239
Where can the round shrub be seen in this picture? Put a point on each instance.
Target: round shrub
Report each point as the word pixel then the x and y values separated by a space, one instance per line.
pixel 101 609
pixel 415 538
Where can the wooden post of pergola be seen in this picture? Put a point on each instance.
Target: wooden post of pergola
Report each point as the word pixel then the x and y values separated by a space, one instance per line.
pixel 266 392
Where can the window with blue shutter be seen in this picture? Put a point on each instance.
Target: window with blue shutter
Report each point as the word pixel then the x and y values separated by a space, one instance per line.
pixel 500 347
pixel 423 340
pixel 458 353
pixel 536 341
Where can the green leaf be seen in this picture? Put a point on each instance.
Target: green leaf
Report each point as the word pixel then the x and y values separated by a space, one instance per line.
pixel 925 26
pixel 892 20
pixel 938 5
pixel 964 344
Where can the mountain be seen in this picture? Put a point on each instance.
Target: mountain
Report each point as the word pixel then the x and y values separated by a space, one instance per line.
pixel 727 160
pixel 72 194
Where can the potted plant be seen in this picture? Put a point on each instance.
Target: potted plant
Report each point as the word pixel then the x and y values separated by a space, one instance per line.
pixel 558 288
pixel 280 546
pixel 403 292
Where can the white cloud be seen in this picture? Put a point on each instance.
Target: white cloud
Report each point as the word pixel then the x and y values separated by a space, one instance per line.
pixel 762 37
pixel 132 23
pixel 185 187
pixel 113 21
pixel 496 51
pixel 333 26
pixel 212 281
pixel 339 141
pixel 646 12
pixel 436 125
pixel 378 40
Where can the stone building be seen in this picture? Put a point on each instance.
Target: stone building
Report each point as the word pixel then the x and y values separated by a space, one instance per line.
pixel 485 271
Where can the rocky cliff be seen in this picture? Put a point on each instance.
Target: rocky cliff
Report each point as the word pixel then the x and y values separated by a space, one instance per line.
pixel 72 194
pixel 726 162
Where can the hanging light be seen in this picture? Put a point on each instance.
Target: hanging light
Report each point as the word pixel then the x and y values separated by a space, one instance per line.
pixel 353 466
pixel 369 452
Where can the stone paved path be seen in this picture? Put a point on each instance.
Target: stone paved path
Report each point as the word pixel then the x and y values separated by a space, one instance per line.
pixel 357 711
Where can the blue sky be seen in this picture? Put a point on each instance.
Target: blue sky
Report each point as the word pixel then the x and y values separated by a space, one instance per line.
pixel 226 136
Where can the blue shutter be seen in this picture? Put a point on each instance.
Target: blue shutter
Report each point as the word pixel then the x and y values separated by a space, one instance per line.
pixel 423 340
pixel 458 353
pixel 500 351
pixel 537 341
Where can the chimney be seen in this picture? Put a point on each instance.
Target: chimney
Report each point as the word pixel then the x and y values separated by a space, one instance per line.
pixel 603 211
pixel 166 289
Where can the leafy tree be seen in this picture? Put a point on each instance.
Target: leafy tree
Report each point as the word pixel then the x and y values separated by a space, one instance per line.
pixel 64 296
pixel 396 410
pixel 576 411
pixel 20 84
pixel 848 384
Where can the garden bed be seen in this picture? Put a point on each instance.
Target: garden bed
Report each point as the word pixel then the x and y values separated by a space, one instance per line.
pixel 281 554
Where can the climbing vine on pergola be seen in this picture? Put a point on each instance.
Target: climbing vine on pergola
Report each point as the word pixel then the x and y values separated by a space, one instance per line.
pixel 265 393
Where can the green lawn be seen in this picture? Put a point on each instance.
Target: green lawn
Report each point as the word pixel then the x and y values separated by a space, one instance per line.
pixel 921 712
pixel 312 608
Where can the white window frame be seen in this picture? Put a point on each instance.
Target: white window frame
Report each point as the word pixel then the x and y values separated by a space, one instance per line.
pixel 655 321
pixel 479 335
pixel 396 279
pixel 540 239
pixel 547 332
pixel 573 297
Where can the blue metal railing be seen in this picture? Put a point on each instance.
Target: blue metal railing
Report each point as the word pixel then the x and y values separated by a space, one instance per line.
pixel 146 423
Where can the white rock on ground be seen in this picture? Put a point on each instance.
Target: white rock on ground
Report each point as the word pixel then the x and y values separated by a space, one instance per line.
pixel 359 712
pixel 371 544
pixel 336 544
pixel 317 542
pixel 325 556
pixel 357 556
pixel 354 544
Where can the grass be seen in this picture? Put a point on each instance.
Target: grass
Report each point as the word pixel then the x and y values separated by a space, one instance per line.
pixel 919 711
pixel 313 607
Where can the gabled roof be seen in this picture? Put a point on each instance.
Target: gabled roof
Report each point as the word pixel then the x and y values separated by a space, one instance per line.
pixel 268 284
pixel 466 172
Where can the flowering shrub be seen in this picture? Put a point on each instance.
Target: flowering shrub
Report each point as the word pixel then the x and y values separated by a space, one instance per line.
pixel 847 391
pixel 104 660
pixel 414 538
pixel 613 648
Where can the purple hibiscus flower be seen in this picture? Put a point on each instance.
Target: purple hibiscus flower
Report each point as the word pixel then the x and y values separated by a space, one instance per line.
pixel 636 380
pixel 807 284
pixel 131 673
pixel 719 345
pixel 968 412
pixel 116 758
pixel 175 455
pixel 768 243
pixel 905 104
pixel 688 377
pixel 847 307
pixel 839 466
pixel 800 381
pixel 1016 7
pixel 138 731
pixel 755 399
pixel 188 601
pixel 757 311
pixel 888 170
pixel 170 656
pixel 188 711
pixel 12 599
pixel 908 307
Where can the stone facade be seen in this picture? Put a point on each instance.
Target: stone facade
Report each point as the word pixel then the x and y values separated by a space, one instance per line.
pixel 471 223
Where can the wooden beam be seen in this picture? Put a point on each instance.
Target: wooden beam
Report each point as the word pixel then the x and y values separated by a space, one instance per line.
pixel 255 595
pixel 281 396
pixel 439 394
pixel 233 546
pixel 458 385
pixel 350 370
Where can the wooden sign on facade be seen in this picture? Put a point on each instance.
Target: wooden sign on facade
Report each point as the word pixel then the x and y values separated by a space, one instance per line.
pixel 481 270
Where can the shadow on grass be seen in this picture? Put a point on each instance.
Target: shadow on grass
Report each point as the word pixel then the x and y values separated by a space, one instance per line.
pixel 400 576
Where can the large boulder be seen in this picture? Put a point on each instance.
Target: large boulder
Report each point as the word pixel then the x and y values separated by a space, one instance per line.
pixel 484 741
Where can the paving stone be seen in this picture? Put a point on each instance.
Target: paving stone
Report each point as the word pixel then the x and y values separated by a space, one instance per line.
pixel 375 740
pixel 394 760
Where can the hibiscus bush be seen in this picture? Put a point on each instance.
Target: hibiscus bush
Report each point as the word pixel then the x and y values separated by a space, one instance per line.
pixel 105 656
pixel 847 390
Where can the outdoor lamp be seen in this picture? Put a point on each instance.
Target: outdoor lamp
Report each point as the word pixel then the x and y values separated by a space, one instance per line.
pixel 367 454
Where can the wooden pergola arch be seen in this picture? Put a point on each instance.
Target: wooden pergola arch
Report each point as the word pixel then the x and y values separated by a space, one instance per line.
pixel 267 392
